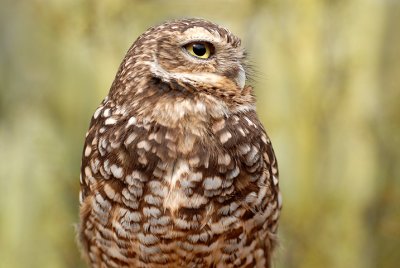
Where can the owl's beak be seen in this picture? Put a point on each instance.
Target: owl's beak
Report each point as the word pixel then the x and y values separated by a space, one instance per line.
pixel 241 77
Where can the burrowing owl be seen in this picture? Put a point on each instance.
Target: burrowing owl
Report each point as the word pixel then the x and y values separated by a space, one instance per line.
pixel 177 170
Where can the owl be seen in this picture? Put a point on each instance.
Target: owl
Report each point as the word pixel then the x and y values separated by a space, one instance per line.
pixel 177 170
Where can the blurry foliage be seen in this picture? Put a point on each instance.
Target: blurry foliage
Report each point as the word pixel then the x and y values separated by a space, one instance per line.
pixel 328 87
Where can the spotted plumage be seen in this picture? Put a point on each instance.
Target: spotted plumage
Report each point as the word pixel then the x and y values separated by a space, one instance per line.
pixel 177 170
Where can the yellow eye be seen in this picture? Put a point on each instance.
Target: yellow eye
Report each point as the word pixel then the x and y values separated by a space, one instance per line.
pixel 202 50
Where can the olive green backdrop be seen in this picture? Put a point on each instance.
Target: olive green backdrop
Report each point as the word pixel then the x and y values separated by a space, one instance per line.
pixel 327 81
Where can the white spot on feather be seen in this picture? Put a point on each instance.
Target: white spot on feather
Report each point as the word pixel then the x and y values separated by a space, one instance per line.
pixel 117 171
pixel 275 179
pixel 241 131
pixel 225 136
pixel 244 149
pixel 88 172
pixel 94 164
pixel 151 212
pixel 212 183
pixel 147 239
pixel 88 150
pixel 152 200
pixel 109 191
pixel 107 112
pixel 97 112
pixel 249 122
pixel 131 121
pixel 264 138
pixel 144 145
pixel 133 216
pixel 110 121
pixel 224 159
pixel 233 173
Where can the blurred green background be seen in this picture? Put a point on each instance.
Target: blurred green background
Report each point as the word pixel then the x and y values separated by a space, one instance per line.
pixel 328 89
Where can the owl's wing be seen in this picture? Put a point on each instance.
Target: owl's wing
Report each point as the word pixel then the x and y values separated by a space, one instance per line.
pixel 260 162
pixel 108 186
pixel 118 161
pixel 256 185
pixel 272 173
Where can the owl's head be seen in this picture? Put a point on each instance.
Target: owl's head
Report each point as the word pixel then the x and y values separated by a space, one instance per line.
pixel 189 54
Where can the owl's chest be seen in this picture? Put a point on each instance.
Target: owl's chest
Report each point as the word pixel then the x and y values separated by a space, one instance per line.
pixel 186 191
pixel 189 172
pixel 191 208
pixel 195 215
pixel 178 193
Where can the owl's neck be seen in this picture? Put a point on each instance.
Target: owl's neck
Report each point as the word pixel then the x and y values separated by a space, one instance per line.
pixel 188 110
pixel 176 109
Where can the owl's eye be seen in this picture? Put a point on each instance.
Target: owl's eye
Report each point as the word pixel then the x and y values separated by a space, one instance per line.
pixel 202 50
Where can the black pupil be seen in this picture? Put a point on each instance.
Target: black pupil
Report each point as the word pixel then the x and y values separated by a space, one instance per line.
pixel 199 49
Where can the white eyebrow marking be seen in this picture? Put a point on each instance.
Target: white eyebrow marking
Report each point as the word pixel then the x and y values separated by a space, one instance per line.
pixel 199 33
